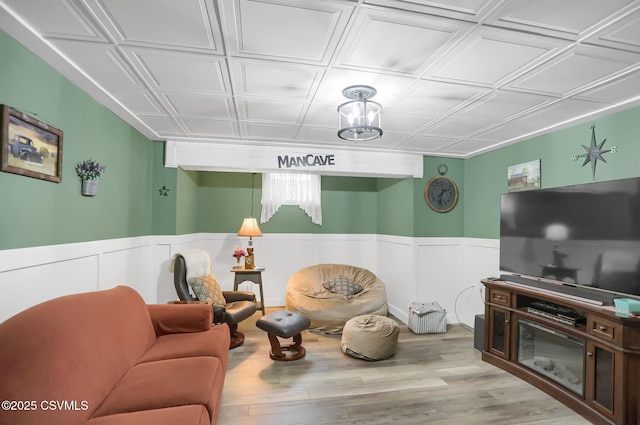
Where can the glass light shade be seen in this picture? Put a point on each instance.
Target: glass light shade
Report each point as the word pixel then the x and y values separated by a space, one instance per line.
pixel 249 228
pixel 359 120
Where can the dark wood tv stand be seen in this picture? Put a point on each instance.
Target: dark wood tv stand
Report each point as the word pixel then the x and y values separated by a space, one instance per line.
pixel 608 341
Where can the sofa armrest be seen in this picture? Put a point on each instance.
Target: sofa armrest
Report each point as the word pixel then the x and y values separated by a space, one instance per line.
pixel 232 296
pixel 180 318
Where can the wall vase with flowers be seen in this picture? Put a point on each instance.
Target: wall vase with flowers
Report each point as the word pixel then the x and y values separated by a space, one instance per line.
pixel 89 172
pixel 238 253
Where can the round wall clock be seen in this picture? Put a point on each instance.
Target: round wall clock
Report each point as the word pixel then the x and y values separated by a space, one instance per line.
pixel 441 193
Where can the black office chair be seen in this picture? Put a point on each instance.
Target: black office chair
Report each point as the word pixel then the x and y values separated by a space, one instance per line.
pixel 240 304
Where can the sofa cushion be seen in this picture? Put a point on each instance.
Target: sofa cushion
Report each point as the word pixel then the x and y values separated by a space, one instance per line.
pixel 206 288
pixel 214 342
pixel 167 383
pixel 194 414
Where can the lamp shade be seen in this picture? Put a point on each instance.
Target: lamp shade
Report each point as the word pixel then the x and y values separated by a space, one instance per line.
pixel 557 232
pixel 249 227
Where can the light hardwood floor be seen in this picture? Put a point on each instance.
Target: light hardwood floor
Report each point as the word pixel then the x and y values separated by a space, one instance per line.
pixel 435 379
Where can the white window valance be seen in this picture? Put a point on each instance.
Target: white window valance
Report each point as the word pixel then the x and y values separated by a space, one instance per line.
pixel 291 189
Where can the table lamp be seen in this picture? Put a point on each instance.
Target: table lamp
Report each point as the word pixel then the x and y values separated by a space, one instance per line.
pixel 249 228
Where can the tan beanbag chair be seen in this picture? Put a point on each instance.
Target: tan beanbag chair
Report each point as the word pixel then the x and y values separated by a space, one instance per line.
pixel 370 337
pixel 328 310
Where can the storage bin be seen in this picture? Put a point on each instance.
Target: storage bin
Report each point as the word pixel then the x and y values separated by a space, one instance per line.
pixel 627 305
pixel 427 318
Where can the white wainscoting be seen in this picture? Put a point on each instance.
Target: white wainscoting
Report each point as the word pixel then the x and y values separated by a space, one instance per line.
pixel 280 254
pixel 414 269
pixel 445 270
pixel 481 260
pixel 397 269
pixel 29 276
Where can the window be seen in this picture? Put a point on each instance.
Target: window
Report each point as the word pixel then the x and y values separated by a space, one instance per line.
pixel 291 189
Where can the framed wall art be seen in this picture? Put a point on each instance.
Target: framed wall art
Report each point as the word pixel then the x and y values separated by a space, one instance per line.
pixel 525 176
pixel 30 147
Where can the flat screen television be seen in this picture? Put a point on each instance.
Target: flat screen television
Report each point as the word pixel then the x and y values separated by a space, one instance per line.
pixel 584 236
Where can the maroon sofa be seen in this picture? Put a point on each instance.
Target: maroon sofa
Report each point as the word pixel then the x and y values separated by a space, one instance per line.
pixel 107 358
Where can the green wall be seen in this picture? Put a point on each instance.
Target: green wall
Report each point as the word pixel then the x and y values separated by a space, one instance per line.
pixel 348 205
pixel 395 207
pixel 431 223
pixel 38 212
pixel 224 199
pixel 402 210
pixel 186 201
pixel 487 174
pixel 163 207
pixel 129 202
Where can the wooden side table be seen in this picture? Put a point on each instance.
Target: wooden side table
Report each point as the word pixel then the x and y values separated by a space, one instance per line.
pixel 251 275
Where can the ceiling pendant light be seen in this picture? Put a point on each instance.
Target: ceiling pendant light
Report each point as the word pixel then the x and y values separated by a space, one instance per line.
pixel 359 119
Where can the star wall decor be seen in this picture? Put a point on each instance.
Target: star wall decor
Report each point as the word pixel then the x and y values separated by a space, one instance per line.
pixel 163 191
pixel 594 152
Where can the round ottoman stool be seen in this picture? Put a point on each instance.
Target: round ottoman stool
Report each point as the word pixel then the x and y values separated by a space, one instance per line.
pixel 284 324
pixel 370 337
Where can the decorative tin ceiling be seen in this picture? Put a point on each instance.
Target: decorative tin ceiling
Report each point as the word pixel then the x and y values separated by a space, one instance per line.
pixel 455 77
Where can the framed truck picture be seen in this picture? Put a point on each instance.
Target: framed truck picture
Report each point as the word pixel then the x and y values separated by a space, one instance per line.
pixel 30 147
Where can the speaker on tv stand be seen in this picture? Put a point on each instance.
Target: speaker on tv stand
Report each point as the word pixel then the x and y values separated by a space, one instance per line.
pixel 478 332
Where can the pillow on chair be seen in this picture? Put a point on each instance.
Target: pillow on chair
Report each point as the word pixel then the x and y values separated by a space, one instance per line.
pixel 206 288
pixel 342 285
